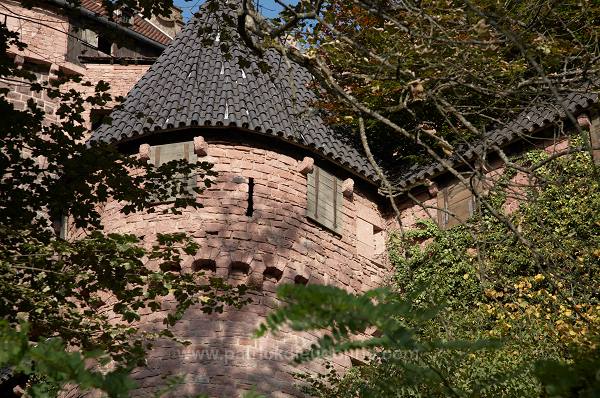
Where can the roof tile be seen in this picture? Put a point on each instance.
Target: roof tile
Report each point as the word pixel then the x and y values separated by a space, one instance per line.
pixel 530 120
pixel 192 82
pixel 139 25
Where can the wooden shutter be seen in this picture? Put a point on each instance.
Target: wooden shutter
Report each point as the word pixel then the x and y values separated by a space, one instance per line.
pixel 60 224
pixel 458 202
pixel 595 137
pixel 80 41
pixel 161 154
pixel 325 199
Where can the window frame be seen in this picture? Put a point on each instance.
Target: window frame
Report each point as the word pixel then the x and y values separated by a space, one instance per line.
pixel 316 183
pixel 447 213
pixel 189 155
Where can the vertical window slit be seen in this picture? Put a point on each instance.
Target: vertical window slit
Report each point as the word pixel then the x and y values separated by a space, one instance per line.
pixel 250 209
pixel 316 192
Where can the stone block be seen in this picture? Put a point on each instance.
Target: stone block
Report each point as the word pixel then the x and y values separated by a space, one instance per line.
pixel 200 146
pixel 144 152
pixel 348 188
pixel 306 165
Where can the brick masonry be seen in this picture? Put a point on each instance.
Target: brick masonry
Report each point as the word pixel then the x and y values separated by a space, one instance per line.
pixel 42 29
pixel 120 77
pixel 276 245
pixel 20 92
pixel 45 32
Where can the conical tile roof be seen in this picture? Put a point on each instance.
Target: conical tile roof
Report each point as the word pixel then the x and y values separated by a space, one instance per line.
pixel 207 76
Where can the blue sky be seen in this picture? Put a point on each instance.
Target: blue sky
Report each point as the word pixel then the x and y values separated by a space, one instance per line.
pixel 268 7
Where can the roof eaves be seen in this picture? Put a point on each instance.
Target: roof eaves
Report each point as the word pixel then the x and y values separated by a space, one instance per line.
pixel 515 130
pixel 111 24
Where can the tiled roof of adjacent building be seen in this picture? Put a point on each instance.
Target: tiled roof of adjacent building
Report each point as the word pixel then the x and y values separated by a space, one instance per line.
pixel 139 25
pixel 531 120
pixel 195 83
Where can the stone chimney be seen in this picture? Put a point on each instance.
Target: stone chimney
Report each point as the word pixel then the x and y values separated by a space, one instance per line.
pixel 172 24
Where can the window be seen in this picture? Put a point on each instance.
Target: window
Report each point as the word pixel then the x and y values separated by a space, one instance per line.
pixel 250 208
pixel 595 137
pixel 125 15
pixel 80 42
pixel 370 237
pixel 104 45
pixel 458 204
pixel 60 224
pixel 161 154
pixel 325 200
pixel 98 117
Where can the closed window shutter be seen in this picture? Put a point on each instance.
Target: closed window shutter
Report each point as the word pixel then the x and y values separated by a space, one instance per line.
pixel 80 42
pixel 325 199
pixel 161 154
pixel 595 137
pixel 458 202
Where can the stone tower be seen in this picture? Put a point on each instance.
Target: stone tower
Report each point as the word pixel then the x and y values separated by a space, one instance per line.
pixel 293 203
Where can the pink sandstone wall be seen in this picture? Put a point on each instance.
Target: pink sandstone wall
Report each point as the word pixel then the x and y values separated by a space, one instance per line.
pixel 45 33
pixel 278 244
pixel 20 93
pixel 121 78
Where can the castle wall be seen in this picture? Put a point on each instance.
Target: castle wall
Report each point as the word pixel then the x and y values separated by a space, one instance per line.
pixel 276 245
pixel 45 32
pixel 429 208
pixel 20 92
pixel 43 29
pixel 121 78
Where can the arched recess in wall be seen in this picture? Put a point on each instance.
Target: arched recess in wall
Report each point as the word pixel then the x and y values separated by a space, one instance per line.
pixel 204 265
pixel 238 271
pixel 273 274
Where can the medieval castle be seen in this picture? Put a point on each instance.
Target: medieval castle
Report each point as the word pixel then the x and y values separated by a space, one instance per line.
pixel 292 204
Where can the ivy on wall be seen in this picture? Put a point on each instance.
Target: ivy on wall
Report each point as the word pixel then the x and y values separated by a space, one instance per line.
pixel 489 285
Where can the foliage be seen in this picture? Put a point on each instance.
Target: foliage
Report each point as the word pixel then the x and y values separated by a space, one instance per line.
pixel 345 317
pixel 487 285
pixel 580 378
pixel 430 78
pixel 87 292
pixel 446 72
pixel 50 358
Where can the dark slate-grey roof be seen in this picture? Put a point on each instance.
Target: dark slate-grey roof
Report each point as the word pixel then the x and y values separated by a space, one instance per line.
pixel 194 83
pixel 531 120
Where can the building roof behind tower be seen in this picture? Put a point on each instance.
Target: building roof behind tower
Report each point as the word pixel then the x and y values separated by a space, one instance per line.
pixel 138 24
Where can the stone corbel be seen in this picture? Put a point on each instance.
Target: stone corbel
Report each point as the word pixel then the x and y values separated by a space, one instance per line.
pixel 348 187
pixel 144 152
pixel 19 61
pixel 584 121
pixel 306 166
pixel 432 188
pixel 53 73
pixel 200 146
